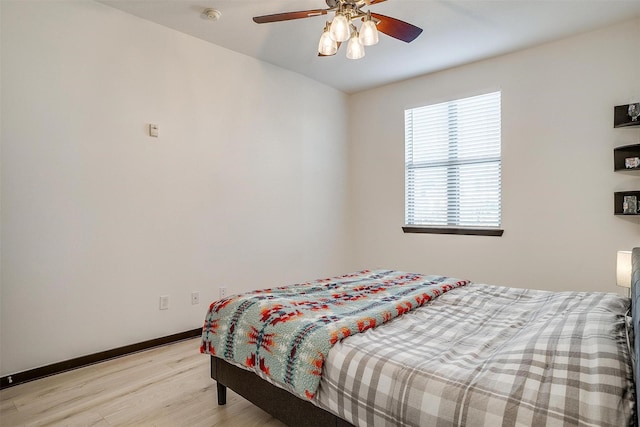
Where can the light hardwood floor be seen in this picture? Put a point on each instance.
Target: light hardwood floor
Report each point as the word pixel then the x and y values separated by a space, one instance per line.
pixel 165 386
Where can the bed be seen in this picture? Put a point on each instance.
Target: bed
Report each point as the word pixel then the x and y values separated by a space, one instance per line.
pixel 410 349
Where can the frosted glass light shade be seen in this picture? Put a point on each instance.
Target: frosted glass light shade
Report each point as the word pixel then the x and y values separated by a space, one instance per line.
pixel 355 50
pixel 368 33
pixel 327 45
pixel 623 269
pixel 340 30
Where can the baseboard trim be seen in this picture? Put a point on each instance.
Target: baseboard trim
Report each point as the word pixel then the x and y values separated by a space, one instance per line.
pixel 91 359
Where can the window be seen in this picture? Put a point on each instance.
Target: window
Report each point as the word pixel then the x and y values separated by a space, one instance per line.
pixel 452 167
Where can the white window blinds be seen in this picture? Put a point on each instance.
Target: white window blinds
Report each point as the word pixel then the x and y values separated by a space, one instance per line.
pixel 452 167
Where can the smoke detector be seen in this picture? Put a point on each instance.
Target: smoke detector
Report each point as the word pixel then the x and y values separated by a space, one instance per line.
pixel 212 14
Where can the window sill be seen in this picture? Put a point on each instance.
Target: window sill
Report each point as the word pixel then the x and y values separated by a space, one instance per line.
pixel 457 230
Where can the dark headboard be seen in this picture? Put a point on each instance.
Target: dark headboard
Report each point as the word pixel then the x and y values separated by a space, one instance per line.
pixel 635 313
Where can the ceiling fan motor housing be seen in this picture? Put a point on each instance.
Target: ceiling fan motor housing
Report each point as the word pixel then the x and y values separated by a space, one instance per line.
pixel 355 3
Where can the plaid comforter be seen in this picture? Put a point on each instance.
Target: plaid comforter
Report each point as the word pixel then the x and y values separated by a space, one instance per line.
pixel 488 356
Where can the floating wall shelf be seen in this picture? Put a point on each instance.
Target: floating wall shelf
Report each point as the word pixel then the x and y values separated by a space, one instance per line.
pixel 626 158
pixel 624 115
pixel 626 203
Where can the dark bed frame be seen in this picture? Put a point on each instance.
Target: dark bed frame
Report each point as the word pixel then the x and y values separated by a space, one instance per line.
pixel 294 411
pixel 278 402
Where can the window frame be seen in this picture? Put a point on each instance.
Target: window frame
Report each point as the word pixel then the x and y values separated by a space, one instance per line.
pixel 476 230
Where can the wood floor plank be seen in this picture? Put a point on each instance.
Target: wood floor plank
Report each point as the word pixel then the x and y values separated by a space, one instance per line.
pixel 165 386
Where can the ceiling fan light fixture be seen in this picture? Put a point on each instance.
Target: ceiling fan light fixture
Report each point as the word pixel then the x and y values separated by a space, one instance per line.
pixel 368 32
pixel 327 45
pixel 355 49
pixel 340 30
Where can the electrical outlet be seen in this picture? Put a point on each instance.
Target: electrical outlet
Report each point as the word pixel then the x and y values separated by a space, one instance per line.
pixel 223 292
pixel 164 302
pixel 195 298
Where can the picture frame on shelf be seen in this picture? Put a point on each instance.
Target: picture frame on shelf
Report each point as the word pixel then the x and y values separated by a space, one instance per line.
pixel 632 162
pixel 634 111
pixel 630 205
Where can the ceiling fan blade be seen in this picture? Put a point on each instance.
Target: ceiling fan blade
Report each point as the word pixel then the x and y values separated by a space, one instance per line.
pixel 396 28
pixel 287 16
pixel 370 2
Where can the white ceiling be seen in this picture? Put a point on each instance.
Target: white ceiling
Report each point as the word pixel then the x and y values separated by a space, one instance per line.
pixel 455 32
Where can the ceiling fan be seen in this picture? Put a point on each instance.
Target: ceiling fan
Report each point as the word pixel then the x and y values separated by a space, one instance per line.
pixel 342 28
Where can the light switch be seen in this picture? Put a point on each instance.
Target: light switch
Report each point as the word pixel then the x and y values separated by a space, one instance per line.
pixel 153 130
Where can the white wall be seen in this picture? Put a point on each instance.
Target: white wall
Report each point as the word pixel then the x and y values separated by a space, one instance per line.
pixel 241 189
pixel 557 171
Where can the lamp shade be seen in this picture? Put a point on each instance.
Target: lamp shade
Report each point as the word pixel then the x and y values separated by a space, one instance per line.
pixel 340 30
pixel 327 45
pixel 623 269
pixel 368 33
pixel 355 50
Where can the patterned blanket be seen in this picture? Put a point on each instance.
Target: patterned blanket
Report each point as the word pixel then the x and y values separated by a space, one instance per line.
pixel 286 333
